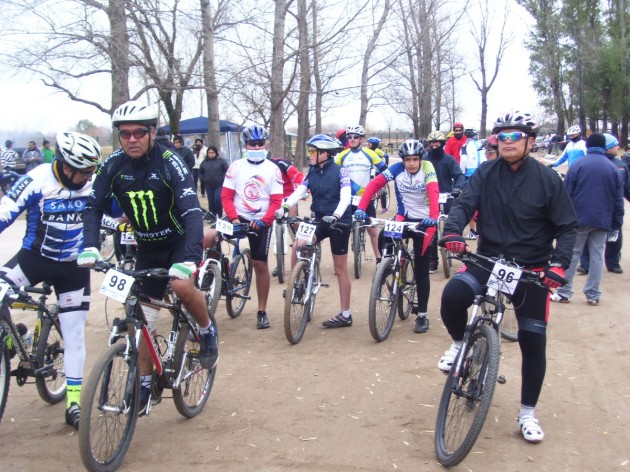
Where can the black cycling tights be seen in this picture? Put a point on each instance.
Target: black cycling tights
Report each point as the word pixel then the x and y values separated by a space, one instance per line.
pixel 531 305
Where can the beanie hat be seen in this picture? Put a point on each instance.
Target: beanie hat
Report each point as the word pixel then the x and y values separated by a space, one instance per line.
pixel 596 140
pixel 611 141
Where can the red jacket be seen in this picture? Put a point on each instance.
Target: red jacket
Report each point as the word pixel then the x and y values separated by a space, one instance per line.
pixel 453 146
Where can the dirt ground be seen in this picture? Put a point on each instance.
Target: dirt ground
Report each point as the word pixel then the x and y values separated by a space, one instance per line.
pixel 340 401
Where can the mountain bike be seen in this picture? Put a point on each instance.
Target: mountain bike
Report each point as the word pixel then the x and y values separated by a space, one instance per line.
pixel 305 280
pixel 45 362
pixel 358 246
pixel 471 382
pixel 445 254
pixel 394 284
pixel 110 400
pixel 223 275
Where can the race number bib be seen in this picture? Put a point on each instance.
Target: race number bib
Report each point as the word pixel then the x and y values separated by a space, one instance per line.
pixel 128 238
pixel 394 229
pixel 306 232
pixel 116 285
pixel 225 227
pixel 356 199
pixel 504 278
pixel 443 197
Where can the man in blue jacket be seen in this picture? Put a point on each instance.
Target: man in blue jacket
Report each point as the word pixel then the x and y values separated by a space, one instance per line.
pixel 596 189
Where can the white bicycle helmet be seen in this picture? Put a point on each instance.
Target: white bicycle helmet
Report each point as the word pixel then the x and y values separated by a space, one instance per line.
pixel 135 112
pixel 323 142
pixel 519 120
pixel 575 129
pixel 411 147
pixel 436 136
pixel 358 129
pixel 77 150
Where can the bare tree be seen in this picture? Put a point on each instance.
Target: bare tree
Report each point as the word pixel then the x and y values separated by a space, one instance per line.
pixel 209 73
pixel 481 31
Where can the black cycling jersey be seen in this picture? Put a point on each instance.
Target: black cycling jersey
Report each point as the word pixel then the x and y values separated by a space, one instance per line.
pixel 156 193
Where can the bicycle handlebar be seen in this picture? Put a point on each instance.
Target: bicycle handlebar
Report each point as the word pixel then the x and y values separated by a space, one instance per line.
pixel 338 225
pixel 475 258
pixel 158 273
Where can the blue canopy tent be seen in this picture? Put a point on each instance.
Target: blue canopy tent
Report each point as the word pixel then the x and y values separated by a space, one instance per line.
pixel 230 148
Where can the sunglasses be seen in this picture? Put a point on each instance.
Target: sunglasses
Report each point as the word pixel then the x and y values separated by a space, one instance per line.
pixel 256 143
pixel 312 152
pixel 513 136
pixel 136 133
pixel 86 173
pixel 353 136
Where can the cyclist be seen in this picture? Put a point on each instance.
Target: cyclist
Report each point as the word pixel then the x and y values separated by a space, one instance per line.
pixel 329 185
pixel 252 192
pixel 374 143
pixel 575 148
pixel 359 162
pixel 417 195
pixel 291 178
pixel 450 180
pixel 523 207
pixel 154 188
pixel 54 196
pixel 456 142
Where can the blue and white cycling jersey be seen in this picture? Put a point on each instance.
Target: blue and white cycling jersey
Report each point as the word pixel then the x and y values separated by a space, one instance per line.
pixel 572 152
pixel 54 214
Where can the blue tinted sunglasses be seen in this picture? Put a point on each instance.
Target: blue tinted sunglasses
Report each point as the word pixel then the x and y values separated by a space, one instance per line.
pixel 514 136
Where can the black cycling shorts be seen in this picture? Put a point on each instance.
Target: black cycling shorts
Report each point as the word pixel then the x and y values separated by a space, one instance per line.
pixel 339 237
pixel 158 258
pixel 259 243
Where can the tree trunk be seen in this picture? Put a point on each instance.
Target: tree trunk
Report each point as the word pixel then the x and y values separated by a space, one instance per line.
pixel 305 85
pixel 209 75
pixel 277 93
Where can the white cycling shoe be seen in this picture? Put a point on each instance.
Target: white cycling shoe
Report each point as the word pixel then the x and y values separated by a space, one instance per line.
pixel 446 361
pixel 531 430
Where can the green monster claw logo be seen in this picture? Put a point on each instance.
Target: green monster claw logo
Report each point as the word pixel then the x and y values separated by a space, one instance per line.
pixel 143 199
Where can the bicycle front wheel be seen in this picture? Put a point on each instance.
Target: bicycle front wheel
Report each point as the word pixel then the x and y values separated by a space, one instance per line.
pixel 210 284
pixel 280 252
pixel 49 353
pixel 382 307
pixel 356 249
pixel 239 283
pixel 108 411
pixel 509 326
pixel 386 197
pixel 466 399
pixel 196 382
pixel 296 309
pixel 444 253
pixel 407 295
pixel 5 376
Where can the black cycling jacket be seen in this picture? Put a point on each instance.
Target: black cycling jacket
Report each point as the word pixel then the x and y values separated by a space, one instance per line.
pixel 521 213
pixel 156 193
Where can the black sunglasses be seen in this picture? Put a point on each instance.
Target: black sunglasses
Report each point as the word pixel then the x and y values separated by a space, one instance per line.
pixel 136 133
pixel 256 142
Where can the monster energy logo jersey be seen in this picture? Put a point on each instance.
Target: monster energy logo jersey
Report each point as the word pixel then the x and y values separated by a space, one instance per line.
pixel 156 193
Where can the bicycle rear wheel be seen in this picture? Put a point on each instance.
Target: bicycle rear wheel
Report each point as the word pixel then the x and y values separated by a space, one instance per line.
pixel 51 385
pixel 296 310
pixel 5 376
pixel 106 238
pixel 280 252
pixel 382 307
pixel 466 399
pixel 210 284
pixel 407 290
pixel 509 326
pixel 109 415
pixel 239 283
pixel 196 382
pixel 356 249
pixel 385 197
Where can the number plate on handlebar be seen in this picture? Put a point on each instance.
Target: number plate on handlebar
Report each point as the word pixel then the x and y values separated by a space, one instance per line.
pixel 504 278
pixel 356 199
pixel 306 232
pixel 394 229
pixel 225 227
pixel 116 285
pixel 443 197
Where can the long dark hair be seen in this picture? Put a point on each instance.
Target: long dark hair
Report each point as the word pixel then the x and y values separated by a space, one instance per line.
pixel 212 148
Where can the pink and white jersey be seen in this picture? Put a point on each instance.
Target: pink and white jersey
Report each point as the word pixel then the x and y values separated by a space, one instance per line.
pixel 253 185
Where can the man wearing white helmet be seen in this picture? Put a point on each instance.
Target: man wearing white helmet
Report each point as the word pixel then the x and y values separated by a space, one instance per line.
pixel 575 148
pixel 154 188
pixel 55 196
pixel 525 215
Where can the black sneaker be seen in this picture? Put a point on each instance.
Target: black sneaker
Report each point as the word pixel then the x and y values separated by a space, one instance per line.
pixel 616 270
pixel 209 348
pixel 262 321
pixel 422 324
pixel 581 270
pixel 338 321
pixel 145 399
pixel 73 415
pixel 274 272
pixel 433 267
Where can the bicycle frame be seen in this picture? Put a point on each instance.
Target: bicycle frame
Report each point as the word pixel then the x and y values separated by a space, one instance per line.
pixel 312 261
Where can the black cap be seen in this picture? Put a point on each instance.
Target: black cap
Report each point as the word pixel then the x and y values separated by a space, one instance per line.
pixel 596 140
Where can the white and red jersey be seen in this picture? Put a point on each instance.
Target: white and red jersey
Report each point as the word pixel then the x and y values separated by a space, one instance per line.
pixel 252 191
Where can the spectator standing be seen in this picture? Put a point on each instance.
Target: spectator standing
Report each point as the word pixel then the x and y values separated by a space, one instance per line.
pixel 32 157
pixel 199 151
pixel 211 176
pixel 182 151
pixel 456 142
pixel 9 156
pixel 595 187
pixel 49 154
